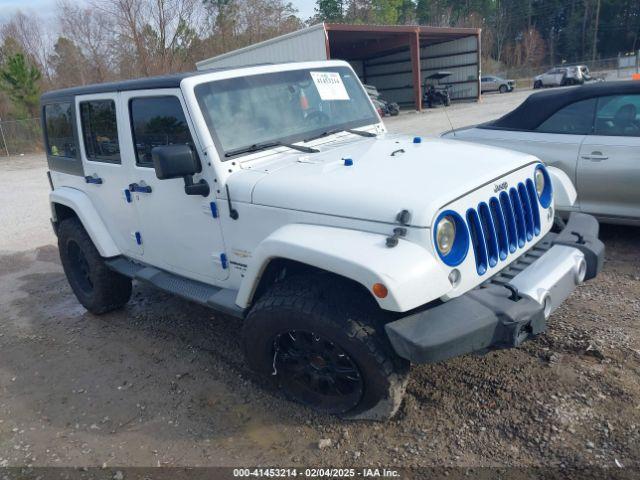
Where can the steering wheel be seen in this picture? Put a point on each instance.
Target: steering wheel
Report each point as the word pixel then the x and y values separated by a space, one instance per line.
pixel 317 118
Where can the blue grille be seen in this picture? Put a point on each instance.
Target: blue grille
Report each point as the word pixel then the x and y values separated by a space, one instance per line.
pixel 504 224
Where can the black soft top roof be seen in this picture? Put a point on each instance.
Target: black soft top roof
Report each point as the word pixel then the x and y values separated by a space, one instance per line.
pixel 540 106
pixel 164 81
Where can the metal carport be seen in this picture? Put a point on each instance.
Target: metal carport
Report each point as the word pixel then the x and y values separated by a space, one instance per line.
pixel 395 58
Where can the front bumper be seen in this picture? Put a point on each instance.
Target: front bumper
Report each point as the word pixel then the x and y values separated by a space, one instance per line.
pixel 510 307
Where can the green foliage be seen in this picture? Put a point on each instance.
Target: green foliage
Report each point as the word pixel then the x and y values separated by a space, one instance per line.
pixel 330 10
pixel 19 79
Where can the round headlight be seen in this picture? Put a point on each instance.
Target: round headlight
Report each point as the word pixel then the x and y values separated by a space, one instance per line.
pixel 446 234
pixel 543 186
pixel 451 238
pixel 539 181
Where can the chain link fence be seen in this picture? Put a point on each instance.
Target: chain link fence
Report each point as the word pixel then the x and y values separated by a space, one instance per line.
pixel 614 68
pixel 20 136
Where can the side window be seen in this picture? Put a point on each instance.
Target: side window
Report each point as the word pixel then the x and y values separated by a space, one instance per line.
pixel 59 129
pixel 574 119
pixel 157 121
pixel 100 130
pixel 618 115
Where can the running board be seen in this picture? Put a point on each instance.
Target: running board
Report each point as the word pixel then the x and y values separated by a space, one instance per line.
pixel 221 299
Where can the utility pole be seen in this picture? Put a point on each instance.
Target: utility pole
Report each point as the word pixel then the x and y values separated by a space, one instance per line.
pixel 595 32
pixel 4 140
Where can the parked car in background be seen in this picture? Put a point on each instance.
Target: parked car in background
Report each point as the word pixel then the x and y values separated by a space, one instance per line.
pixel 490 83
pixel 592 132
pixel 561 76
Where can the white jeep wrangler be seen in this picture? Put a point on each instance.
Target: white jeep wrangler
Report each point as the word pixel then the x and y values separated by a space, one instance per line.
pixel 274 194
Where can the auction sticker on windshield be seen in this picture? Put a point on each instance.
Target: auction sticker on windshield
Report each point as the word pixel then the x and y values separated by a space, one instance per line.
pixel 329 85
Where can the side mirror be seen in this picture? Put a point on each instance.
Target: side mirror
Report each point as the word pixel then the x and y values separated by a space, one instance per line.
pixel 174 161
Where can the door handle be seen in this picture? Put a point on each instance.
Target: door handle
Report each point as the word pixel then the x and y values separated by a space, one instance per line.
pixel 93 179
pixel 595 156
pixel 134 187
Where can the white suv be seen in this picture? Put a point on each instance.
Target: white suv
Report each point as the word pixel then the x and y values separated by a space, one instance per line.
pixel 274 194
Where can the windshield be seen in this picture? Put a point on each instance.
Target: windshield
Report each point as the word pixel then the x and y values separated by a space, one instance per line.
pixel 284 107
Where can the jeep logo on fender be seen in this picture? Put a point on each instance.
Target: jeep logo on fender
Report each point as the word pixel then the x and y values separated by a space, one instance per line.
pixel 500 186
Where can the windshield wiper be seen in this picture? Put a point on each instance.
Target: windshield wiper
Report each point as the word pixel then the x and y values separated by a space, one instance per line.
pixel 338 130
pixel 263 146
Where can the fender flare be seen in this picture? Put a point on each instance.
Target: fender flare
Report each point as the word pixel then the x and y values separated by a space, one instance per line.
pixel 409 271
pixel 80 203
pixel 564 193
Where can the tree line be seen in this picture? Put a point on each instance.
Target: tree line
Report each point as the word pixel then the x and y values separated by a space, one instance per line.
pixel 106 40
pixel 514 32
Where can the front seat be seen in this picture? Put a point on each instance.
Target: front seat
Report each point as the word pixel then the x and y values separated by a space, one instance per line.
pixel 624 121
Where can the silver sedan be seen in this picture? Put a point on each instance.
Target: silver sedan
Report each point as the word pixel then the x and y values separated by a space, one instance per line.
pixel 592 132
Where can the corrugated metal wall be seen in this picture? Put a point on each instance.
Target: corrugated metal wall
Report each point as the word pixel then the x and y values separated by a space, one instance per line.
pixel 460 57
pixel 392 73
pixel 304 45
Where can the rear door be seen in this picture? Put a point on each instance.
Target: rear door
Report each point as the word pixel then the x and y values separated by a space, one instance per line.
pixel 181 233
pixel 107 169
pixel 609 165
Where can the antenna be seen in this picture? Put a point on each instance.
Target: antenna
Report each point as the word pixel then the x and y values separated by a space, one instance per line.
pixel 444 109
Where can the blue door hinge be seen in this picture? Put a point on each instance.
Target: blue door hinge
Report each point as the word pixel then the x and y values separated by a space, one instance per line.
pixel 127 195
pixel 138 238
pixel 223 261
pixel 214 209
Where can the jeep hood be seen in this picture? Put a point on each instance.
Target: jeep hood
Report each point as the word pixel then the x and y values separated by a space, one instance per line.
pixel 389 174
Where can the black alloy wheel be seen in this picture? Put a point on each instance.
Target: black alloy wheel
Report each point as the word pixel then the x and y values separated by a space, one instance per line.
pixel 316 372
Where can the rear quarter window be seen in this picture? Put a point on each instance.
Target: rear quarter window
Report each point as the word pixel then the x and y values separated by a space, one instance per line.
pixel 60 141
pixel 100 130
pixel 574 119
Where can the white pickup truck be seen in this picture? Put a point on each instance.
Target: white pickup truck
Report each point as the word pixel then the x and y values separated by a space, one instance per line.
pixel 275 194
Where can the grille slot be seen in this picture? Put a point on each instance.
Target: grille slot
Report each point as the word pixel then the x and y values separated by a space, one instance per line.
pixel 501 228
pixel 477 240
pixel 533 199
pixel 517 210
pixel 510 221
pixel 503 224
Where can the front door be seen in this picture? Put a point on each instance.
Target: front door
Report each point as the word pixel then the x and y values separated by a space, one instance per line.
pixel 609 164
pixel 180 233
pixel 108 169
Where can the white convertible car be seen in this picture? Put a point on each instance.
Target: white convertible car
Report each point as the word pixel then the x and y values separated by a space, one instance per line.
pixel 592 132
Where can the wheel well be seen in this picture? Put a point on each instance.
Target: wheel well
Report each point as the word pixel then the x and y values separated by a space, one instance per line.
pixel 60 213
pixel 280 268
pixel 63 212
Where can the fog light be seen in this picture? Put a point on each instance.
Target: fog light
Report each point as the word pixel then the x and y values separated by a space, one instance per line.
pixel 454 277
pixel 379 290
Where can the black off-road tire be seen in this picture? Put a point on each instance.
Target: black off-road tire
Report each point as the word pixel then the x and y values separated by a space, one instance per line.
pixel 342 314
pixel 98 289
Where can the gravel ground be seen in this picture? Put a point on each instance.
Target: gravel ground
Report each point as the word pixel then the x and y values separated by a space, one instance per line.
pixel 163 383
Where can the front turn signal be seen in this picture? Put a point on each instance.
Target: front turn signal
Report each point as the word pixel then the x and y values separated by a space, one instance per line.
pixel 379 290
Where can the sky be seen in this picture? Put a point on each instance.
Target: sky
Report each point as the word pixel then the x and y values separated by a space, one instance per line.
pixel 9 7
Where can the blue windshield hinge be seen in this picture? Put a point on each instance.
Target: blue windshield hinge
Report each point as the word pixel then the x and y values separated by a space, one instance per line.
pixel 223 261
pixel 127 195
pixel 138 238
pixel 214 209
